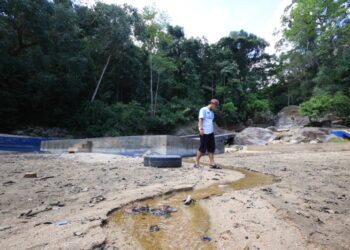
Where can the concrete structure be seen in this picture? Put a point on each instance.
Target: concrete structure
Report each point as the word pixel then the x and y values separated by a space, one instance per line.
pixel 130 145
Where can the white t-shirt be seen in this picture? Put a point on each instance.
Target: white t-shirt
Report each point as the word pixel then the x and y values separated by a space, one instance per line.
pixel 208 117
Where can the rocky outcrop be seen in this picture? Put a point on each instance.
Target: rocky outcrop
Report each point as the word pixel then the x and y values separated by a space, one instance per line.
pixel 303 135
pixel 43 132
pixel 290 117
pixel 254 136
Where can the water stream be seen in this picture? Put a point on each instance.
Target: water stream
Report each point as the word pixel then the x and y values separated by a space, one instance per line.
pixel 185 228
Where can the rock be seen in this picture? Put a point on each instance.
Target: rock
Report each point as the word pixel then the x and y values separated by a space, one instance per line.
pixel 328 210
pixel 188 200
pixel 8 183
pixel 30 175
pixel 163 210
pixel 31 212
pixel 61 223
pixel 3 228
pixel 290 117
pixel 40 131
pixel 309 134
pixel 46 177
pixel 138 208
pixel 97 199
pixel 254 136
pixel 78 234
pixel 154 228
pixel 272 128
pixel 57 204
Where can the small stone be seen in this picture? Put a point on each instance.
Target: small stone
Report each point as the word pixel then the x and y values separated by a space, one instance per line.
pixel 188 200
pixel 319 221
pixel 5 228
pixel 246 237
pixel 77 233
pixel 30 175
pixel 97 199
pixel 154 228
pixel 257 236
pixel 8 183
pixel 57 204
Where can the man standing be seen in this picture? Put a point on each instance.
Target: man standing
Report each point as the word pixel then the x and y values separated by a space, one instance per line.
pixel 206 133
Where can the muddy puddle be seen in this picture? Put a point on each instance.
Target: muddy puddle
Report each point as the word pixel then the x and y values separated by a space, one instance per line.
pixel 185 228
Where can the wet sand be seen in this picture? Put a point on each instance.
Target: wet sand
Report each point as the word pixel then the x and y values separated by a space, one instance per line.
pixel 308 209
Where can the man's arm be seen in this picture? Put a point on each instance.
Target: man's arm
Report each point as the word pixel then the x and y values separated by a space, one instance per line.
pixel 201 130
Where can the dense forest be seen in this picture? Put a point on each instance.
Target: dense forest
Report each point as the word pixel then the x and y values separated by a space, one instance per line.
pixel 115 70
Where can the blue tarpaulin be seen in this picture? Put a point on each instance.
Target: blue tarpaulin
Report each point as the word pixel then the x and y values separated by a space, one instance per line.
pixel 20 144
pixel 341 133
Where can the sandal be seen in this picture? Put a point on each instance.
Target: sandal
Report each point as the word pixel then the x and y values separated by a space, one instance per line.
pixel 196 165
pixel 215 166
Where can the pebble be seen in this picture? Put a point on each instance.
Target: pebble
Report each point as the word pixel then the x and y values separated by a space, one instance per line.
pixel 154 228
pixel 97 199
pixel 188 200
pixel 8 183
pixel 5 228
pixel 77 233
pixel 30 175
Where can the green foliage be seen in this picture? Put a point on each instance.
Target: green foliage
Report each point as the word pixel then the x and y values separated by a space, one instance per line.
pixel 317 62
pixel 52 54
pixel 99 119
pixel 318 106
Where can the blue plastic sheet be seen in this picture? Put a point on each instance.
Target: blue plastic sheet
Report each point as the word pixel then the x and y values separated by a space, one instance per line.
pixel 20 144
pixel 341 133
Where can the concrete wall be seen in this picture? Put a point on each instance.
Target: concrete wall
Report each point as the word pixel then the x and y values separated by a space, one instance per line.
pixel 133 145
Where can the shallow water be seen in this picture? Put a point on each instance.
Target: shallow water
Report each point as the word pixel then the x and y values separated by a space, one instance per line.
pixel 185 228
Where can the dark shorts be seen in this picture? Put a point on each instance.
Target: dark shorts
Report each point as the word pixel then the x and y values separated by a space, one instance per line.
pixel 207 143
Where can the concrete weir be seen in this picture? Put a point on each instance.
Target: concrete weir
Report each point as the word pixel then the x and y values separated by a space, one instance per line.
pixel 131 145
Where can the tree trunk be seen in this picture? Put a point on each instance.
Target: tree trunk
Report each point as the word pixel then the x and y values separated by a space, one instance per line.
pixel 151 84
pixel 99 81
pixel 156 95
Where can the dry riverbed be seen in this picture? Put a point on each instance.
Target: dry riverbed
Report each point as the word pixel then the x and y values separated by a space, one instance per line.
pixel 66 205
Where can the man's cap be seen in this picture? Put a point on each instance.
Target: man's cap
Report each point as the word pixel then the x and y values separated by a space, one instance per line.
pixel 214 101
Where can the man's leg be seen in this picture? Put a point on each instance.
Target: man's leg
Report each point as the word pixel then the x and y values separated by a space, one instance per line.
pixel 202 148
pixel 211 158
pixel 198 156
pixel 211 149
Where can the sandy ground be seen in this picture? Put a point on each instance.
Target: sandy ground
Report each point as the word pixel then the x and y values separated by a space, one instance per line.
pixel 81 189
pixel 308 209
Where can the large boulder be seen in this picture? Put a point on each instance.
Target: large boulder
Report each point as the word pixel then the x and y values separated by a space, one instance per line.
pixel 254 136
pixel 290 117
pixel 304 135
pixel 309 134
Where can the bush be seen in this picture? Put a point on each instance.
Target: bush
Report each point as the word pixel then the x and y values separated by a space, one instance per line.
pixel 318 106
